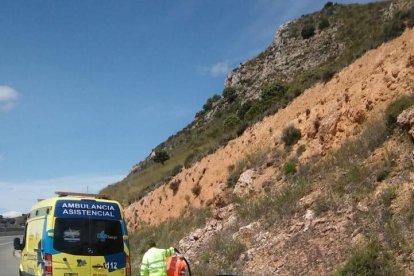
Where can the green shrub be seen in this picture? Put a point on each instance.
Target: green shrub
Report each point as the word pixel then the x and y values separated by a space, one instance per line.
pixel 291 135
pixel 409 211
pixel 244 108
pixel 242 127
pixel 290 167
pixel 220 256
pixel 395 108
pixel 231 122
pixel 196 190
pixel 308 31
pixel 254 111
pixel 354 182
pixel 229 94
pixel 210 101
pixel 191 159
pixel 382 175
pixel 176 170
pixel 161 156
pixel 300 150
pixel 273 92
pixel 371 259
pixel 274 205
pixel 327 75
pixel 328 5
pixel 174 186
pixel 323 23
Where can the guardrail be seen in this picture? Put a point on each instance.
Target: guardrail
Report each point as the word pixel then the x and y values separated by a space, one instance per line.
pixel 11 231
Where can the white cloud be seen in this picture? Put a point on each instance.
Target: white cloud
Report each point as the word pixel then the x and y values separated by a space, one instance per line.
pixel 218 69
pixel 1 157
pixel 20 196
pixel 8 98
pixel 11 214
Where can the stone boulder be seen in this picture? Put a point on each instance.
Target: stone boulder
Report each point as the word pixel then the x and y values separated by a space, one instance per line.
pixel 328 126
pixel 244 185
pixel 246 234
pixel 406 119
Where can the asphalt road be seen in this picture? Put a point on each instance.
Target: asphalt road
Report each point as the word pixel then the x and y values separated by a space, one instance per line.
pixel 9 263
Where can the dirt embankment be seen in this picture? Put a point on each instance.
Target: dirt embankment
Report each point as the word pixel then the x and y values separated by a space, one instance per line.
pixel 354 95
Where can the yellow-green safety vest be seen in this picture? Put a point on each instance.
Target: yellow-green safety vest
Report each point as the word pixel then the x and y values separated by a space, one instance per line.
pixel 154 261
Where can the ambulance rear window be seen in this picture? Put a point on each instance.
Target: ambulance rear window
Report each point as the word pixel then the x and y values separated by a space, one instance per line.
pixel 88 237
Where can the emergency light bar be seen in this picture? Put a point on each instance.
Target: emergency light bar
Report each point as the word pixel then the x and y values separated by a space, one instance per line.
pixel 63 194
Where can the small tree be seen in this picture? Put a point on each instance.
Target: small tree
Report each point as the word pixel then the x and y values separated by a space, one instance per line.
pixel 229 93
pixel 160 157
pixel 328 5
pixel 210 101
pixel 291 135
pixel 231 122
pixel 308 31
pixel 323 23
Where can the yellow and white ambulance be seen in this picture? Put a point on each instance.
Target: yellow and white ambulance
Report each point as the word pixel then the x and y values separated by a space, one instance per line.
pixel 75 234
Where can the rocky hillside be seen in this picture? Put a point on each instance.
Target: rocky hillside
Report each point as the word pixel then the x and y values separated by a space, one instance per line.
pixel 305 51
pixel 323 186
pixel 327 115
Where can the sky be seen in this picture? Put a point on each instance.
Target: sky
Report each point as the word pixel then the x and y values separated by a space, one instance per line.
pixel 89 88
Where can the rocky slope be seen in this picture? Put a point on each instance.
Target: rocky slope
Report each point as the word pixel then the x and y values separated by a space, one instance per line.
pixel 307 50
pixel 354 95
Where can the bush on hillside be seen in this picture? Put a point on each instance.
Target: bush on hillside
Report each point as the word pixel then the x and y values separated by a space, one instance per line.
pixel 290 167
pixel 176 170
pixel 161 156
pixel 395 108
pixel 308 31
pixel 273 94
pixel 210 101
pixel 254 111
pixel 291 136
pixel 229 94
pixel 328 5
pixel 244 108
pixel 174 186
pixel 231 122
pixel 371 259
pixel 323 23
pixel 196 190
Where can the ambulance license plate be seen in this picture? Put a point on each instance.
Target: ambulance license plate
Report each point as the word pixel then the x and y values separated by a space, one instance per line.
pixel 70 274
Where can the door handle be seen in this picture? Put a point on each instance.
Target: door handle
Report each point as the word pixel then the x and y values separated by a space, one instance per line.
pixel 98 266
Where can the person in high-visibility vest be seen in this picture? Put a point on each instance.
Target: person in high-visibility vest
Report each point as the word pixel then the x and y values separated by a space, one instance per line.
pixel 176 265
pixel 154 261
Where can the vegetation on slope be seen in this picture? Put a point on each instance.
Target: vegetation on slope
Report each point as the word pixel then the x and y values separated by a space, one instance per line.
pixel 389 233
pixel 360 28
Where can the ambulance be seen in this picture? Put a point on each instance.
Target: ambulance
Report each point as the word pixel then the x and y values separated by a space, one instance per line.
pixel 75 234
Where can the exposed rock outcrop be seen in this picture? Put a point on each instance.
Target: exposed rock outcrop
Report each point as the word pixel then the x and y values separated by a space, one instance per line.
pixel 284 58
pixel 406 119
pixel 244 185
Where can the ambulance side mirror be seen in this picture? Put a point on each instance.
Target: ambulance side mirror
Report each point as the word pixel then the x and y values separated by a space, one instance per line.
pixel 17 244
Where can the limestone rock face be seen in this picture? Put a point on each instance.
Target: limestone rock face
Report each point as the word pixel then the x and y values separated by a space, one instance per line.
pixel 284 58
pixel 406 119
pixel 244 185
pixel 194 243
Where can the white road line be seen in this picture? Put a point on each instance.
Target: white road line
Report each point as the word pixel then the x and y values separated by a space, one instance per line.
pixel 6 243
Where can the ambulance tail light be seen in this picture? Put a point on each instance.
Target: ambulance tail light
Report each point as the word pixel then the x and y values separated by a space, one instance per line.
pixel 48 270
pixel 127 266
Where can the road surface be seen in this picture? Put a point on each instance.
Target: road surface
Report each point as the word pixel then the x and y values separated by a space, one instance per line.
pixel 9 264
